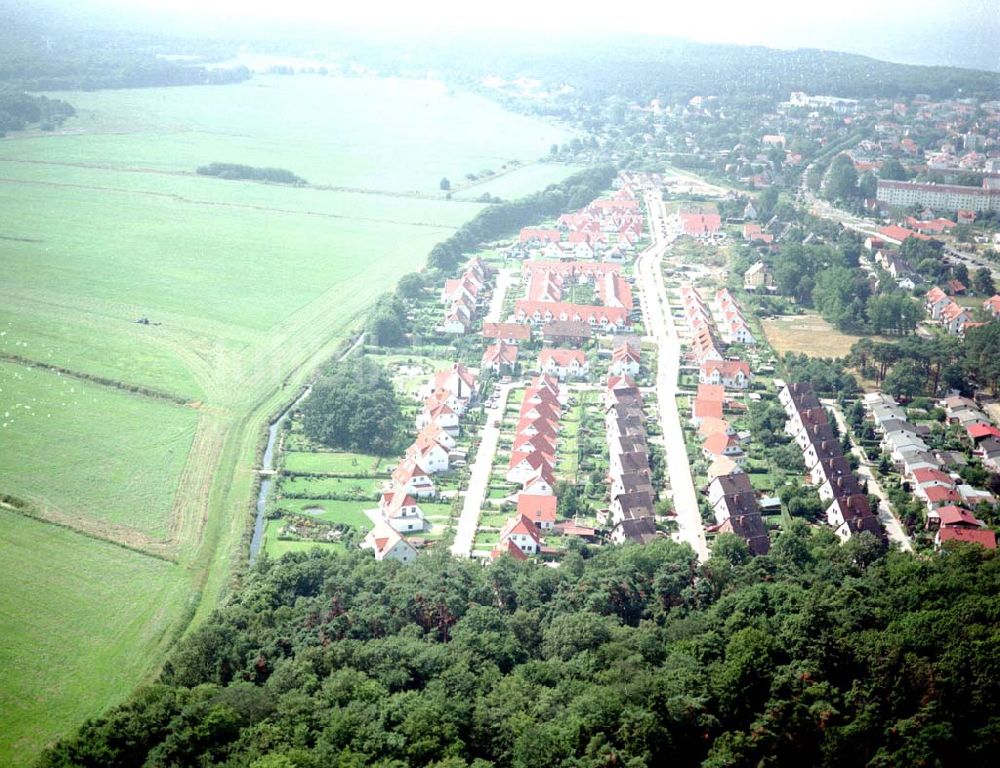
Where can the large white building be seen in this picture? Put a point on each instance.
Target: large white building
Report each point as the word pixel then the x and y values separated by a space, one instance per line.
pixel 939 197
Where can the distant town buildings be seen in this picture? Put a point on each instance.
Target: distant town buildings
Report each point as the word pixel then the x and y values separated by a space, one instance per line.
pixel 944 197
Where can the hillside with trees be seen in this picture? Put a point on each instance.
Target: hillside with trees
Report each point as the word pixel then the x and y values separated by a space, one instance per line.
pixel 816 654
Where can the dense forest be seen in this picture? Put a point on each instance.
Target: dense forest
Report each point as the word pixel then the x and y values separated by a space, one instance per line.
pixel 642 68
pixel 353 406
pixel 816 654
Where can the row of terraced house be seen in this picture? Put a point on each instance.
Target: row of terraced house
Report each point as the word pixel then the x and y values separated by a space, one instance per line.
pixel 607 229
pixel 532 465
pixel 848 511
pixel 463 296
pixel 629 476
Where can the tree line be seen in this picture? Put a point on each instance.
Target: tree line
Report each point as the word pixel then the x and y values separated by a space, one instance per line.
pixel 819 653
pixel 19 110
pixel 918 366
pixel 237 171
pixel 504 218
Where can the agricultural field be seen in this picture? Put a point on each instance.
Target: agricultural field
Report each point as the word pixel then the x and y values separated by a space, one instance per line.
pixel 216 300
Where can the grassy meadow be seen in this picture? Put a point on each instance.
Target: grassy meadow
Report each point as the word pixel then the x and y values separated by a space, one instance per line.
pixel 246 287
pixel 82 622
pixel 86 450
pixel 807 334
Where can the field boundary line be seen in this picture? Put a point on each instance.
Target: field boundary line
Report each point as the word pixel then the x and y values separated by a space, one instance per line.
pixel 91 529
pixel 134 389
pixel 436 196
pixel 239 206
pixel 190 507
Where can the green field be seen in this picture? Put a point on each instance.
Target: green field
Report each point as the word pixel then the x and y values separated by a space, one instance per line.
pixel 82 621
pixel 521 181
pixel 247 287
pixel 85 449
pixel 349 512
pixel 387 134
pixel 346 463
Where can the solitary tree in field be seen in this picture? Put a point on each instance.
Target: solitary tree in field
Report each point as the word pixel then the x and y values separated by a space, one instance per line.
pixel 445 185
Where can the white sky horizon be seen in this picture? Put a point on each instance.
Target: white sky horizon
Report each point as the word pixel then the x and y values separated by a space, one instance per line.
pixel 898 30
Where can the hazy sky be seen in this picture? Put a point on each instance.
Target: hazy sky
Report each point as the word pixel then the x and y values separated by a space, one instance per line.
pixel 919 31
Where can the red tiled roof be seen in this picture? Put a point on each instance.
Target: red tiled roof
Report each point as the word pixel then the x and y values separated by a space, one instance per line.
pixel 537 508
pixel 938 493
pixel 978 431
pixel 981 536
pixel 895 232
pixel 561 357
pixel 517 331
pixel 718 442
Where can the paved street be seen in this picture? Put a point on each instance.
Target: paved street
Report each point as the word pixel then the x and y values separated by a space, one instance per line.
pixel 504 280
pixel 479 477
pixel 656 309
pixel 886 515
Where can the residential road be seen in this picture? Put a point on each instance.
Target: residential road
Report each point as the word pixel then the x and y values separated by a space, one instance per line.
pixel 656 308
pixel 886 514
pixel 479 476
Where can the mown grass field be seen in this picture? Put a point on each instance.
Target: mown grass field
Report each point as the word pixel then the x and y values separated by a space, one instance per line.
pixel 86 450
pixel 322 461
pixel 247 288
pixel 82 622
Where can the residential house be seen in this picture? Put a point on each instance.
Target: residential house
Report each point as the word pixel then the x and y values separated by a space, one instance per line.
pixel 387 544
pixel 731 374
pixel 409 477
pixel 722 444
pixel 639 530
pixel 437 411
pixel 852 515
pixel 507 333
pixel 540 510
pixel 521 532
pixel 401 511
pixel 429 454
pixel 708 403
pixel 757 277
pixel 501 358
pixel 625 360
pixel 981 536
pixel 525 464
pixel 575 332
pixel 563 363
